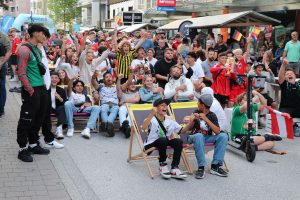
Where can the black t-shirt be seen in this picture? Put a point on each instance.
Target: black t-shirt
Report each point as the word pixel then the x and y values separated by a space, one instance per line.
pixel 201 126
pixel 163 68
pixel 290 95
pixel 159 52
pixel 221 48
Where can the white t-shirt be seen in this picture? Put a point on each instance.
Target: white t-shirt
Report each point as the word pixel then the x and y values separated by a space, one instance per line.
pixel 197 72
pixel 153 61
pixel 53 102
pixel 138 62
pixel 77 98
pixel 102 65
pixel 108 94
pixel 170 125
pixel 220 113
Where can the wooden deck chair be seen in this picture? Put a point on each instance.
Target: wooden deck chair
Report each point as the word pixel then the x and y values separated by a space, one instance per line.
pixel 137 114
pixel 179 111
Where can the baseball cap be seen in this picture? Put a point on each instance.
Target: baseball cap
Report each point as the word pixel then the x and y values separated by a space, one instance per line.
pixel 159 101
pixel 255 65
pixel 206 99
pixel 207 90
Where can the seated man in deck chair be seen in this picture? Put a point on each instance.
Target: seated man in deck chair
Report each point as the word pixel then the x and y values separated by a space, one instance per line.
pixel 109 102
pixel 79 102
pixel 203 123
pixel 160 130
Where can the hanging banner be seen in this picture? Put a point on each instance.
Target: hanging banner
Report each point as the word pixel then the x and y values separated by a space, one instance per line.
pixel 268 32
pixel 166 3
pixel 280 33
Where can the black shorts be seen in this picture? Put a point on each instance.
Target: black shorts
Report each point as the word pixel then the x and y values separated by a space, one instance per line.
pixel 268 98
pixel 13 60
pixel 222 99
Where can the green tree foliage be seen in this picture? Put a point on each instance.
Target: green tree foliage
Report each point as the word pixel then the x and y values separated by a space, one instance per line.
pixel 64 11
pixel 3 5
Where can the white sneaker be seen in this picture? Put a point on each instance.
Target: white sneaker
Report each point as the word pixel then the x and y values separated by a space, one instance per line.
pixel 176 173
pixel 86 133
pixel 70 132
pixel 59 132
pixel 164 172
pixel 54 144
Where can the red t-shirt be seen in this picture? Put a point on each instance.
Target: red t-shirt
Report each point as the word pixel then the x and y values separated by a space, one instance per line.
pixel 16 41
pixel 240 68
pixel 175 45
pixel 221 80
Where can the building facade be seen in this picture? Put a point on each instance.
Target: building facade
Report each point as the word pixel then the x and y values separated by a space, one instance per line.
pixel 39 7
pixel 93 12
pixel 15 7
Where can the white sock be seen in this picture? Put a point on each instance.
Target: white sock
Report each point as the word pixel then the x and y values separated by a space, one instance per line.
pixel 21 149
pixel 32 145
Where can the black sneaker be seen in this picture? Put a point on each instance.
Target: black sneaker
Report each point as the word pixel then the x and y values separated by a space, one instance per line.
pixel 126 129
pixel 39 150
pixel 217 170
pixel 200 173
pixel 25 156
pixel 103 126
pixel 110 130
pixel 270 137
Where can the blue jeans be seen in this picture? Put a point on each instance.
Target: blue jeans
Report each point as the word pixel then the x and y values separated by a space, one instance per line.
pixel 2 87
pixel 123 115
pixel 199 141
pixel 93 110
pixel 113 112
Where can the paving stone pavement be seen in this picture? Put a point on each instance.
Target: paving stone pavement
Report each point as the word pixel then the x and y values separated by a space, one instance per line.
pixel 97 169
pixel 38 180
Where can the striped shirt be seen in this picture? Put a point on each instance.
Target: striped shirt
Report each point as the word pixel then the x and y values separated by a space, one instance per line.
pixel 124 62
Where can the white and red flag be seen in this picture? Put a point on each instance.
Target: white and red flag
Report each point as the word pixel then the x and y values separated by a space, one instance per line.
pixel 281 124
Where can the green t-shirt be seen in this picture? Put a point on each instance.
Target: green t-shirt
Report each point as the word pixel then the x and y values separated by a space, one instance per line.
pixel 293 51
pixel 238 123
pixel 33 73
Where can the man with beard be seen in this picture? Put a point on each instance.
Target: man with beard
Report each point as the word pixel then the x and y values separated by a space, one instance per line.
pixel 179 88
pixel 162 67
pixel 290 91
pixel 34 94
pixel 127 93
pixel 206 65
pixel 109 102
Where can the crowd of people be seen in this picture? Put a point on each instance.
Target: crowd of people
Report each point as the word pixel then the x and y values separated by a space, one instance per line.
pixel 100 72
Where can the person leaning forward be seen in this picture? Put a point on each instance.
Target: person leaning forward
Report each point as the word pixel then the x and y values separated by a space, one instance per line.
pixel 33 94
pixel 160 130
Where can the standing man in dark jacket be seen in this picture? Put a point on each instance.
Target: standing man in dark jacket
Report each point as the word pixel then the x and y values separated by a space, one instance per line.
pixel 5 52
pixel 34 94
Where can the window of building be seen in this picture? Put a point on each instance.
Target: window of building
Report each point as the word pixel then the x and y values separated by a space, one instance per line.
pixel 141 4
pixel 12 9
pixel 11 0
pixel 114 12
pixel 149 3
pixel 122 9
pixel 130 8
pixel 17 8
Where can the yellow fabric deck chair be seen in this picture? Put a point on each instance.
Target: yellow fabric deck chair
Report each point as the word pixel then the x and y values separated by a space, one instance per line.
pixel 137 114
pixel 179 112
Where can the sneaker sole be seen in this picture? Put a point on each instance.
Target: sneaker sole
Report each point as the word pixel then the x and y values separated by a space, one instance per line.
pixel 200 177
pixel 178 177
pixel 85 136
pixel 25 160
pixel 218 174
pixel 166 177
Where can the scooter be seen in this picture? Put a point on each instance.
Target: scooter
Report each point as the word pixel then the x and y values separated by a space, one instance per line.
pixel 249 147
